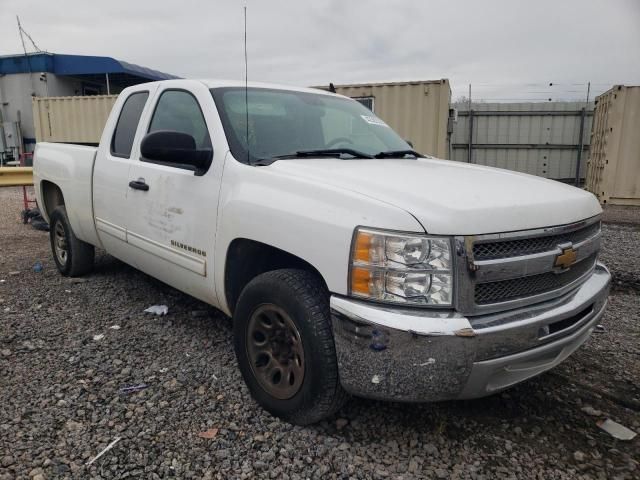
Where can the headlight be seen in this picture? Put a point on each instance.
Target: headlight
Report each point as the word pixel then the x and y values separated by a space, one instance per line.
pixel 401 268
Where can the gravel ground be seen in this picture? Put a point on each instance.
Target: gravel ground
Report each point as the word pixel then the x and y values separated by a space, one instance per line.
pixel 60 400
pixel 621 214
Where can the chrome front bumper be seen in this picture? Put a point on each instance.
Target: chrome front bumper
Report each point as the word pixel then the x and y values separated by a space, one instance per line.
pixel 407 354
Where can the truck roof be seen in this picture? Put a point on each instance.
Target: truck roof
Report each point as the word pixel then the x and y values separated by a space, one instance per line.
pixel 219 83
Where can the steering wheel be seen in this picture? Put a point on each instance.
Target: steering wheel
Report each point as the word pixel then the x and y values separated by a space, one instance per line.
pixel 335 141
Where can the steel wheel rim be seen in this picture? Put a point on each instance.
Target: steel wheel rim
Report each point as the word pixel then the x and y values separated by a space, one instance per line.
pixel 275 351
pixel 60 243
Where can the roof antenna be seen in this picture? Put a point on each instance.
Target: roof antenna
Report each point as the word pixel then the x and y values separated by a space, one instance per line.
pixel 246 81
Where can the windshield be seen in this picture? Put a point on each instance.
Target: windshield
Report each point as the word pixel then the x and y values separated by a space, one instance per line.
pixel 283 122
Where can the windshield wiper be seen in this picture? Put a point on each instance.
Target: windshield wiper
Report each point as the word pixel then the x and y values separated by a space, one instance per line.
pixel 398 153
pixel 327 152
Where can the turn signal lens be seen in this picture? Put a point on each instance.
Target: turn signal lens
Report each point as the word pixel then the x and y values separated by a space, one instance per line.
pixel 401 268
pixel 364 282
pixel 360 281
pixel 362 247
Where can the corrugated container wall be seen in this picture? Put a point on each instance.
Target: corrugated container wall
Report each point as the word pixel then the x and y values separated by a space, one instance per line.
pixel 71 119
pixel 613 170
pixel 418 111
pixel 536 138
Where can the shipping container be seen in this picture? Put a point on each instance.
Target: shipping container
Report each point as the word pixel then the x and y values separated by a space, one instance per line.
pixel 537 138
pixel 71 119
pixel 613 169
pixel 418 111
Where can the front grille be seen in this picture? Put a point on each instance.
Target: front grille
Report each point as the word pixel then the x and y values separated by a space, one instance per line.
pixel 528 246
pixel 505 290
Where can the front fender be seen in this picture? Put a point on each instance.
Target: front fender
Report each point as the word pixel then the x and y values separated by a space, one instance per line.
pixel 308 219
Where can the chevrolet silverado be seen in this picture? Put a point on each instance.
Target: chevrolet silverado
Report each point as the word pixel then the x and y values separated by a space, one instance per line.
pixel 349 263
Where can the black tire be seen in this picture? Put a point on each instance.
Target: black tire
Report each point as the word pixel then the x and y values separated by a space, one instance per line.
pixel 78 256
pixel 302 296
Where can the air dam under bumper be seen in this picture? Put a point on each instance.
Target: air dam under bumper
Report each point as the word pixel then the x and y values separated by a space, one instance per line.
pixel 420 355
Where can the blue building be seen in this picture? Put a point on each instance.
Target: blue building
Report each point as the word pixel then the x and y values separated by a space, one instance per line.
pixel 53 75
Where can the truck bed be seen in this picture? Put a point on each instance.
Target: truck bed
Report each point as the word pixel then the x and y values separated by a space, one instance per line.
pixel 70 167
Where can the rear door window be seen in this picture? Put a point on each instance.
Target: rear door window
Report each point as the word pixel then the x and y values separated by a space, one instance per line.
pixel 125 130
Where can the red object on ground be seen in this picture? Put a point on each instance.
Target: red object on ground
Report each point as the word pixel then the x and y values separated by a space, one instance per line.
pixel 25 198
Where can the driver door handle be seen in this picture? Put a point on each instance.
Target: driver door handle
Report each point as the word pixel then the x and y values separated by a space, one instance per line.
pixel 139 184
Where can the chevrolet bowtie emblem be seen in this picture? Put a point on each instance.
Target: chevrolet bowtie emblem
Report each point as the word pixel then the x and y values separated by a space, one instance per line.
pixel 566 258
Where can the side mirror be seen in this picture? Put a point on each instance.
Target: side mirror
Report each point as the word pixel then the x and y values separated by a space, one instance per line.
pixel 175 149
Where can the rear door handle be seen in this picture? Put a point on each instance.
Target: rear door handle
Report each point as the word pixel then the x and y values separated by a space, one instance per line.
pixel 139 184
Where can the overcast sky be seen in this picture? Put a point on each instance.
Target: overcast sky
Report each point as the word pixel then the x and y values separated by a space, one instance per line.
pixel 505 49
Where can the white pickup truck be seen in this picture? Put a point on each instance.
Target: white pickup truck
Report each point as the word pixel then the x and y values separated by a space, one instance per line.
pixel 349 263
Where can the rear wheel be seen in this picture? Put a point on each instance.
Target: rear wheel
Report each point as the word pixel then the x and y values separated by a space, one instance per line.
pixel 72 256
pixel 284 346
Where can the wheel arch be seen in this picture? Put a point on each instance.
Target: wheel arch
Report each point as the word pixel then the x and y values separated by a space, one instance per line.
pixel 52 198
pixel 246 259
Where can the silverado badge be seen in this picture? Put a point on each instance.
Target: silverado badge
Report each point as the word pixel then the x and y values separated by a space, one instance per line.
pixel 566 258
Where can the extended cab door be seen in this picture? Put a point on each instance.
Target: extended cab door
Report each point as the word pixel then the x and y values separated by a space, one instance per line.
pixel 111 170
pixel 171 221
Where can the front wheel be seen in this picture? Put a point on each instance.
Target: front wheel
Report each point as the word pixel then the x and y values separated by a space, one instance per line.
pixel 73 257
pixel 284 346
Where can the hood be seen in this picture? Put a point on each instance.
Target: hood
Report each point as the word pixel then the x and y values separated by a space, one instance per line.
pixel 453 198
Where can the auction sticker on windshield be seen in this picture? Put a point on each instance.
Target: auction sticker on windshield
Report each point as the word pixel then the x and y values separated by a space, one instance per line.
pixel 374 120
